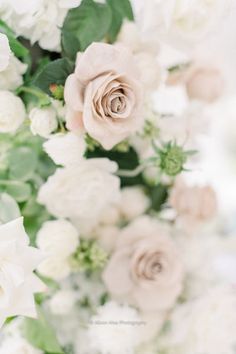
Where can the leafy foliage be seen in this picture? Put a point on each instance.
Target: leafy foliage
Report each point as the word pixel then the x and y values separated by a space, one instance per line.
pixel 120 10
pixel 86 24
pixel 41 335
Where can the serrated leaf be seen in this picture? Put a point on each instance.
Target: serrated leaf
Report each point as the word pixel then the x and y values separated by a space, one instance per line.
pixel 87 23
pixel 22 162
pixel 120 10
pixel 41 335
pixel 9 209
pixel 55 72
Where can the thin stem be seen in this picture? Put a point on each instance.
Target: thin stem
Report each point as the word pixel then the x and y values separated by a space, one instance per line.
pixel 131 173
pixel 31 91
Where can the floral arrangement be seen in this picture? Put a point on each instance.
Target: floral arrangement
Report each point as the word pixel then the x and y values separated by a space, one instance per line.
pixel 111 239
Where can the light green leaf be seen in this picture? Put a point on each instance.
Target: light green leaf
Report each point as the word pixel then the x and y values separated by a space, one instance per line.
pixel 55 72
pixel 41 335
pixel 88 23
pixel 20 191
pixel 9 209
pixel 22 162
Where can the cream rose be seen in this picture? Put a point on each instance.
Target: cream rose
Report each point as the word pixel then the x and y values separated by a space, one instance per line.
pixel 193 204
pixel 103 95
pixel 145 269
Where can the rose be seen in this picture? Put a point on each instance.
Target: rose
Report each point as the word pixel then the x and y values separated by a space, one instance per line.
pixel 43 121
pixel 193 204
pixel 148 272
pixel 204 83
pixel 12 112
pixel 103 95
pixel 83 192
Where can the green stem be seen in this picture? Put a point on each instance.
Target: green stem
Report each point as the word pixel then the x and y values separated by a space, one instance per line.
pixel 31 91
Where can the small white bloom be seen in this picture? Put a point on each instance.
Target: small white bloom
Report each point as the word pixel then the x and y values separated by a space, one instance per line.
pixel 113 329
pixel 83 192
pixel 134 202
pixel 58 239
pixel 11 77
pixel 62 302
pixel 5 52
pixel 43 121
pixel 65 149
pixel 12 112
pixel 17 281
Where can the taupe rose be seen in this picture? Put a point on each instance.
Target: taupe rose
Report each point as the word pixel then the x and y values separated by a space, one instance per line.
pixel 103 95
pixel 145 269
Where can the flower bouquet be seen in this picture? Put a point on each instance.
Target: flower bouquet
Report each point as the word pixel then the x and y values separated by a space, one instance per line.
pixel 111 238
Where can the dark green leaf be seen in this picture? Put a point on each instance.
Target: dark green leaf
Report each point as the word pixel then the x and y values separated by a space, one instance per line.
pixel 55 72
pixel 41 335
pixel 87 23
pixel 120 10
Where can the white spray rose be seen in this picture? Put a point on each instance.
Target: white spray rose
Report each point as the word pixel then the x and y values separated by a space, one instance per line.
pixel 12 112
pixel 43 121
pixel 83 192
pixel 5 52
pixel 18 260
pixel 134 202
pixel 65 149
pixel 58 239
pixel 11 77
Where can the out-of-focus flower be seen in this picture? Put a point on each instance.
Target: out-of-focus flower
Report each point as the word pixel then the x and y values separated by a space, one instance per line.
pixel 12 112
pixel 148 269
pixel 17 280
pixel 193 204
pixel 82 193
pixel 66 149
pixel 134 202
pixel 43 121
pixel 58 239
pixel 11 77
pixel 62 302
pixel 5 52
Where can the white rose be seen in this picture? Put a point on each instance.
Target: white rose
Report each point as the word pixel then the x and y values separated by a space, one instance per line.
pixel 43 121
pixel 12 112
pixel 134 202
pixel 58 239
pixel 5 52
pixel 83 192
pixel 65 149
pixel 11 77
pixel 62 302
pixel 18 260
pixel 150 70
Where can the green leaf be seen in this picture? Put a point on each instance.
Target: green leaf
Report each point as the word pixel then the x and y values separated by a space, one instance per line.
pixel 9 209
pixel 87 23
pixel 41 335
pixel 120 10
pixel 17 48
pixel 55 72
pixel 20 191
pixel 22 162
